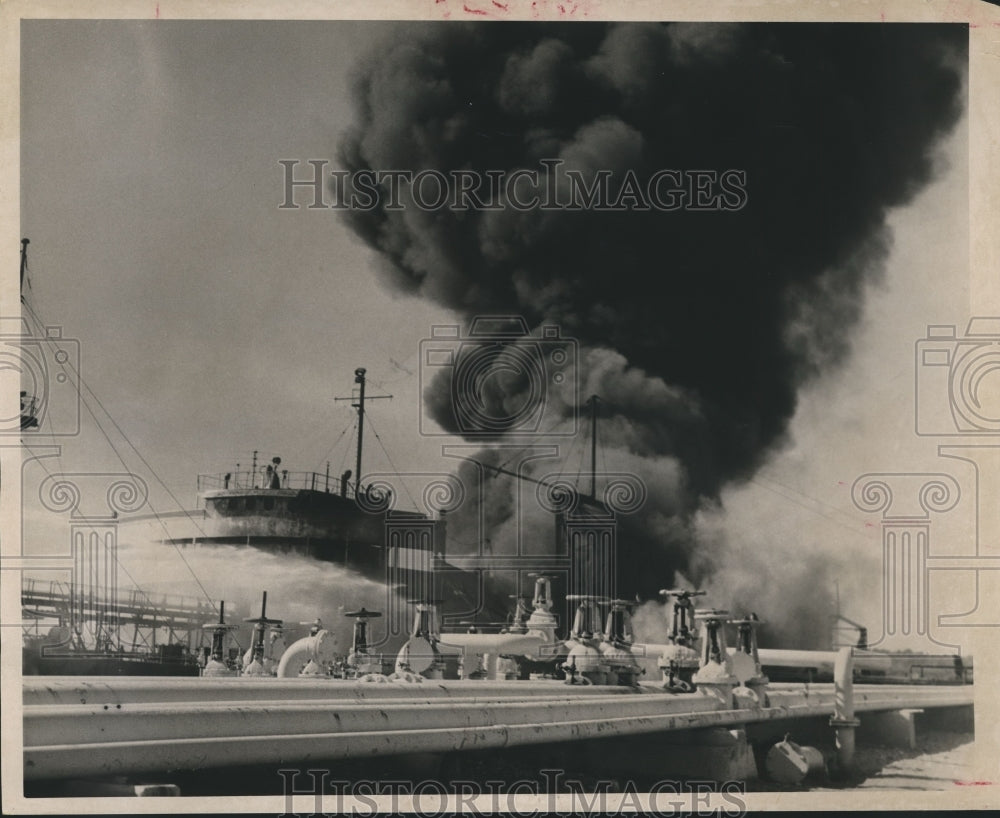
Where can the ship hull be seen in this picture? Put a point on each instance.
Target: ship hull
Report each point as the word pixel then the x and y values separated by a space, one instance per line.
pixel 39 662
pixel 33 663
pixel 361 557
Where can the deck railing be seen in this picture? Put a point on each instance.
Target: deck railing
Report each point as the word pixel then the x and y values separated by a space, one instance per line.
pixel 287 480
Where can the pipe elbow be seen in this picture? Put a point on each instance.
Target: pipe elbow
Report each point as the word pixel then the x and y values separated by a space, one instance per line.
pixel 296 657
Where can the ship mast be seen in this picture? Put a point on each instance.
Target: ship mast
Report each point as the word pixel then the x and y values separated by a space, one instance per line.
pixel 28 402
pixel 24 262
pixel 359 378
pixel 592 403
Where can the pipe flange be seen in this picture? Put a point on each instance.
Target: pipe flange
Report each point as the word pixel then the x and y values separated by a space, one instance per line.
pixel 835 722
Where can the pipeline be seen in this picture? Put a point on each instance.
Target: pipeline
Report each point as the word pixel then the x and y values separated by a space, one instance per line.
pixel 46 690
pixel 272 724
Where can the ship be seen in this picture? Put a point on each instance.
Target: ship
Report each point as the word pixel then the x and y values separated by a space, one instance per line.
pixel 333 519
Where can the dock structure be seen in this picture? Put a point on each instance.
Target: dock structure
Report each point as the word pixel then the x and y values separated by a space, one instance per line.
pixel 130 618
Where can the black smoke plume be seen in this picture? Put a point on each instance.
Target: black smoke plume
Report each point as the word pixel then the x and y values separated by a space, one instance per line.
pixel 697 328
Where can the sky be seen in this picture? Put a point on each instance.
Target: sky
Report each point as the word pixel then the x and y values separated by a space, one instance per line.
pixel 198 303
pixel 212 323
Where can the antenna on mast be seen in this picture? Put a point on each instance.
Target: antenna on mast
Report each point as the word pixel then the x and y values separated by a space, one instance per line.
pixel 359 378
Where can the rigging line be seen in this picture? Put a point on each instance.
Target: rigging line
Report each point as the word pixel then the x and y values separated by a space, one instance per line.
pixel 81 382
pixel 389 458
pixel 136 587
pixel 38 459
pixel 802 494
pixel 803 505
pixel 93 527
pixel 152 508
pixel 107 437
pixel 542 435
pixel 347 449
pixel 54 444
pixel 564 464
pixel 334 444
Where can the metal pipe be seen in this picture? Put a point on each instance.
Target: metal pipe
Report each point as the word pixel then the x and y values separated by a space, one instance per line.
pixel 319 647
pixel 94 725
pixel 296 657
pixel 51 724
pixel 508 644
pixel 186 736
pixel 124 690
pixel 843 720
pixel 62 760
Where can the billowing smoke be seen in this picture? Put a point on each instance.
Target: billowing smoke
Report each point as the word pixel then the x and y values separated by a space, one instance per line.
pixel 698 322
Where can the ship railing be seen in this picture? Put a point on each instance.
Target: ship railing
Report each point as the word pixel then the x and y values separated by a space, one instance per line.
pixel 287 480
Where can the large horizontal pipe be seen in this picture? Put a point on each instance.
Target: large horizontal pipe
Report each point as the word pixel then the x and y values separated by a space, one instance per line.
pixel 118 758
pixel 202 734
pixel 86 723
pixel 820 660
pixel 824 659
pixel 50 724
pixel 150 755
pixel 768 656
pixel 74 690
